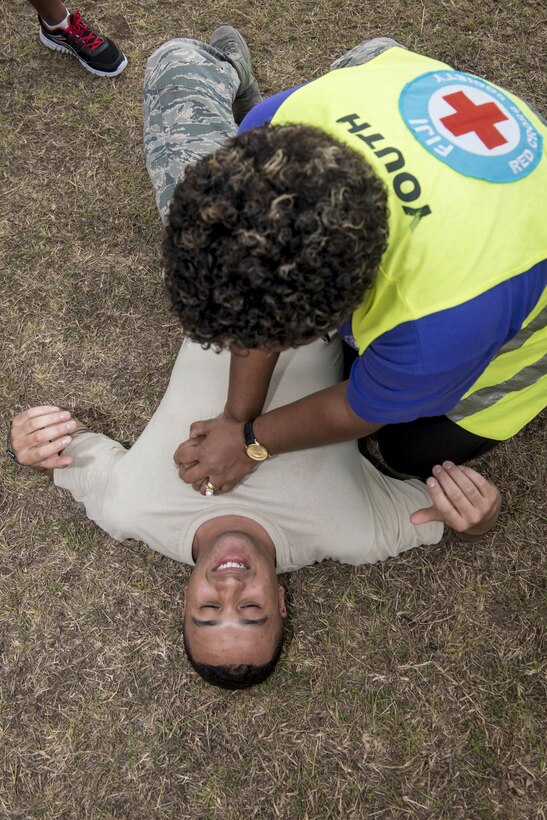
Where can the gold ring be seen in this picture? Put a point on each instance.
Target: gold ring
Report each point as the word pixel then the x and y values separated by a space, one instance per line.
pixel 209 488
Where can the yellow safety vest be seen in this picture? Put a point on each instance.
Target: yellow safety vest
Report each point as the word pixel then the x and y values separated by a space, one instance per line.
pixel 463 165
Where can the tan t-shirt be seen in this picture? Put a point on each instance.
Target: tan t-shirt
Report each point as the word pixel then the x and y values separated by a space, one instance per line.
pixel 327 502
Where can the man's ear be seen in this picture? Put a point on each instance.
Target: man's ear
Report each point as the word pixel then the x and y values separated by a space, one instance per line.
pixel 281 601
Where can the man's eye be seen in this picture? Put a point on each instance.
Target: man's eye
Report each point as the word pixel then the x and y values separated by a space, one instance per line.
pixel 247 606
pixel 209 606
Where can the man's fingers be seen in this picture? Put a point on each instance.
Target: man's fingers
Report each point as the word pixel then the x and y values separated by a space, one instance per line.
pixel 464 498
pixel 24 425
pixel 34 430
pixel 32 456
pixel 458 488
pixel 36 423
pixel 482 484
pixel 424 515
pixel 469 481
pixel 464 481
pixel 40 432
pixel 448 511
pixel 41 435
pixel 32 412
pixel 486 496
pixel 56 462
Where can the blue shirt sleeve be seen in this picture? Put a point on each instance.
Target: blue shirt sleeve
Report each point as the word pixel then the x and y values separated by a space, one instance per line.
pixel 263 113
pixel 423 368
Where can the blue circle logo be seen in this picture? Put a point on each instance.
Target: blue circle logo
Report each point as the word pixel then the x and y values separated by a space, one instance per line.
pixel 470 125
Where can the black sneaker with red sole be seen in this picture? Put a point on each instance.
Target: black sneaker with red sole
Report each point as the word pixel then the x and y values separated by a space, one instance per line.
pixel 96 53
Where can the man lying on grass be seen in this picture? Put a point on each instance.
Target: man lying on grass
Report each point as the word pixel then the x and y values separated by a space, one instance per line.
pixel 310 505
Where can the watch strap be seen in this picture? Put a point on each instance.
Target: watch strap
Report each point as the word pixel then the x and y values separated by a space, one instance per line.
pixel 253 448
pixel 9 451
pixel 248 433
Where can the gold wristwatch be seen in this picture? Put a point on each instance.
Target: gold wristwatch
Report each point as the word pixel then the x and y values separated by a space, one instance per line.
pixel 253 448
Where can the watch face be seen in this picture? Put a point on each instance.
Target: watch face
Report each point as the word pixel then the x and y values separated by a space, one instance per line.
pixel 257 452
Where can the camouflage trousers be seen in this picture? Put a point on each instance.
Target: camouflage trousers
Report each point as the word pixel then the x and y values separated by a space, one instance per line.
pixel 189 88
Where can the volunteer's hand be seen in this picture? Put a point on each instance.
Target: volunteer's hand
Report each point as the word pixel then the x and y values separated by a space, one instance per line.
pixel 215 452
pixel 462 498
pixel 39 435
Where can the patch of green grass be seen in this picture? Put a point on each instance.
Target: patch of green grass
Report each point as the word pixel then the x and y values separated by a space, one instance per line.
pixel 76 538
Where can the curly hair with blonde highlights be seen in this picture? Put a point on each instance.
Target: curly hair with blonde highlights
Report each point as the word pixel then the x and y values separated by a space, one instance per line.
pixel 273 239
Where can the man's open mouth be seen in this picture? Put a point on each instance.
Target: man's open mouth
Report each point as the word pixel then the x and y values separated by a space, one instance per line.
pixel 230 564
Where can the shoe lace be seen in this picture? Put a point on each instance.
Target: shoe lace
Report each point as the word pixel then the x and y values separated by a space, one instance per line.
pixel 80 30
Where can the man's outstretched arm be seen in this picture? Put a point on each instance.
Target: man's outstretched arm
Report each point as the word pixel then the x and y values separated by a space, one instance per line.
pixel 463 499
pixel 39 435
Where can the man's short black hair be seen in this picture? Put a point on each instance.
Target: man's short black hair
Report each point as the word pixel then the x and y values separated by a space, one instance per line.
pixel 273 239
pixel 237 676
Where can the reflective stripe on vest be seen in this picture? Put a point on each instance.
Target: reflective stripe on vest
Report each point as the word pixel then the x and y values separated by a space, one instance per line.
pixel 453 235
pixel 513 389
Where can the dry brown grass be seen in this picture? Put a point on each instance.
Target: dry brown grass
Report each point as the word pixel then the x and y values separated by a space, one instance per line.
pixel 412 689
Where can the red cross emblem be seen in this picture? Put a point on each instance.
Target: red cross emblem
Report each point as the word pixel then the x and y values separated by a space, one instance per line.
pixel 479 119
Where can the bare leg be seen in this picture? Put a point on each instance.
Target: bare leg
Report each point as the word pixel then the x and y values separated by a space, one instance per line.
pixel 51 11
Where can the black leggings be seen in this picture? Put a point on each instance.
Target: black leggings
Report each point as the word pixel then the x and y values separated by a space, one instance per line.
pixel 414 447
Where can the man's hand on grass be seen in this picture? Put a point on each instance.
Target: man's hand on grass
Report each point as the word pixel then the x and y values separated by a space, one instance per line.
pixel 39 435
pixel 463 499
